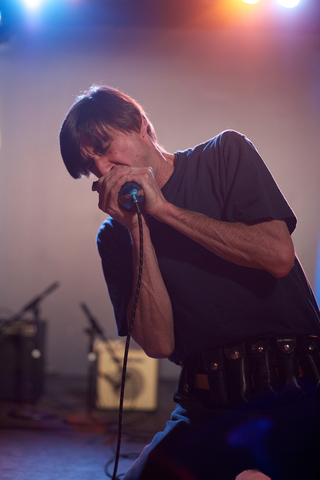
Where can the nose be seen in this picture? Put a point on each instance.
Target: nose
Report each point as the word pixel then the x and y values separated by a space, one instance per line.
pixel 100 166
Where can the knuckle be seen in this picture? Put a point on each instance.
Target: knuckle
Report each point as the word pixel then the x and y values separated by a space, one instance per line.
pixel 150 170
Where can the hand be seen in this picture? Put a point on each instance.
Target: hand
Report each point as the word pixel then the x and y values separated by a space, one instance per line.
pixel 109 185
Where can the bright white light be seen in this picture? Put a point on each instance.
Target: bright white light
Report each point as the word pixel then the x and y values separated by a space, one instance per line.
pixel 32 4
pixel 251 2
pixel 289 3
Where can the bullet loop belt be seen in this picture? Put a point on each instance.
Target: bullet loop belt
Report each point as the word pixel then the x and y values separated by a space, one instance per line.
pixel 259 371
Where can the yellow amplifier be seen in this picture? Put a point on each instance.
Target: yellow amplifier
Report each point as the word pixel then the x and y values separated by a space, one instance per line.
pixel 141 385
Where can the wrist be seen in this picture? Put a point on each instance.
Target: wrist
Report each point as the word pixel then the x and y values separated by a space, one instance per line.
pixel 134 229
pixel 166 213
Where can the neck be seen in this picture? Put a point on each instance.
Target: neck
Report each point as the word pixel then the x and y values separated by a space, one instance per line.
pixel 171 159
pixel 166 167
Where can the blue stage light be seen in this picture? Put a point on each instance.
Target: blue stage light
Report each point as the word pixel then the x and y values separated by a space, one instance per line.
pixel 317 279
pixel 32 4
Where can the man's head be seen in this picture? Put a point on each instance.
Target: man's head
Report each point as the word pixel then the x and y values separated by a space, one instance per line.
pixel 91 119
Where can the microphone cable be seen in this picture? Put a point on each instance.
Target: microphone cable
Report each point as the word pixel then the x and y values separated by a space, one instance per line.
pixel 126 351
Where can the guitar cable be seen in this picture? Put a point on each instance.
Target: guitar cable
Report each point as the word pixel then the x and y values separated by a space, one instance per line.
pixel 126 351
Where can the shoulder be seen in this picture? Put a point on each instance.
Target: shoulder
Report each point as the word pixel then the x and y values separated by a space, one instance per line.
pixel 230 139
pixel 109 229
pixel 219 155
pixel 112 236
pixel 220 141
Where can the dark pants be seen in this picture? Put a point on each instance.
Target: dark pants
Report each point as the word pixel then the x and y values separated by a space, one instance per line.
pixel 201 443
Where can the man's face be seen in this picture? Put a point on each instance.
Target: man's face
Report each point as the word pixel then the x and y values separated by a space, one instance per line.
pixel 132 149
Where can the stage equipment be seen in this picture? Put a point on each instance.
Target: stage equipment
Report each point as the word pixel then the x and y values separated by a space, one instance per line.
pixel 94 332
pixel 129 194
pixel 33 305
pixel 21 360
pixel 141 386
pixel 22 348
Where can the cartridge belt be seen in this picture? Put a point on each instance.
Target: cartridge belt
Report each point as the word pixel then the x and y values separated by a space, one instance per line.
pixel 261 371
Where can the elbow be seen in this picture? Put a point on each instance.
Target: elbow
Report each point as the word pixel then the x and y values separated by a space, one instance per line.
pixel 281 272
pixel 159 351
pixel 284 263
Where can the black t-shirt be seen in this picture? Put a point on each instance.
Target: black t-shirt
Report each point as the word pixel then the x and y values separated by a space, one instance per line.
pixel 214 301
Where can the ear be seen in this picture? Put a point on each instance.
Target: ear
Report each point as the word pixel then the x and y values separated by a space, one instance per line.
pixel 144 126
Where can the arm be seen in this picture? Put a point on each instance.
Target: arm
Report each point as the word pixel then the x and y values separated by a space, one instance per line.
pixel 266 245
pixel 263 245
pixel 153 325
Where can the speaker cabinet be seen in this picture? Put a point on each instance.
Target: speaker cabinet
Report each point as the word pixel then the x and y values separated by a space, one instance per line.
pixel 21 360
pixel 141 386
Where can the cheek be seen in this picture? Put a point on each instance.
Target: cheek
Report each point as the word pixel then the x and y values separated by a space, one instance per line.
pixel 95 171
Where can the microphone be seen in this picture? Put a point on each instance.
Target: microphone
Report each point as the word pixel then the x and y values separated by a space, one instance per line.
pixel 129 195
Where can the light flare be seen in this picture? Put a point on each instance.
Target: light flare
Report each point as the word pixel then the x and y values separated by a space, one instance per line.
pixel 32 4
pixel 288 3
pixel 251 2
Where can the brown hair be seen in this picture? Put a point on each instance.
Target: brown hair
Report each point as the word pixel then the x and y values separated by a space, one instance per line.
pixel 91 117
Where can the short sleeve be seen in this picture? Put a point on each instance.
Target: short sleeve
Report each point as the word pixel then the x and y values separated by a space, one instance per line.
pixel 114 246
pixel 251 193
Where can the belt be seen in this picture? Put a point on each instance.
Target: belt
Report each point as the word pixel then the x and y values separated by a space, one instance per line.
pixel 281 369
pixel 201 381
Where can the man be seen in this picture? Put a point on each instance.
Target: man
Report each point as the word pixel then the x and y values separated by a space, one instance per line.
pixel 222 293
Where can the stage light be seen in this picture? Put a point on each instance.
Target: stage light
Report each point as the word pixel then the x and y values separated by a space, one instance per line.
pixel 251 2
pixel 32 4
pixel 283 3
pixel 289 3
pixel 317 279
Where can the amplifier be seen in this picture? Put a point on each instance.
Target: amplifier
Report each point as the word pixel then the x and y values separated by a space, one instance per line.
pixel 21 360
pixel 141 387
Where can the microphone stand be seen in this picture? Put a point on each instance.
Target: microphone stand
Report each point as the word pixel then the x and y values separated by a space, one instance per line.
pixel 91 394
pixel 96 328
pixel 33 305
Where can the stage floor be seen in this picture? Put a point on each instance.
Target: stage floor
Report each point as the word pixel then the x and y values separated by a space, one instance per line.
pixel 59 440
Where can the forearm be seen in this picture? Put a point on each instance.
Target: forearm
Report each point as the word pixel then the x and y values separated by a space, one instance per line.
pixel 265 245
pixel 153 324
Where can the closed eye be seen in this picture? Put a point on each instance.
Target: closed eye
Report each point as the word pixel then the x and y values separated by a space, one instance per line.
pixel 104 150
